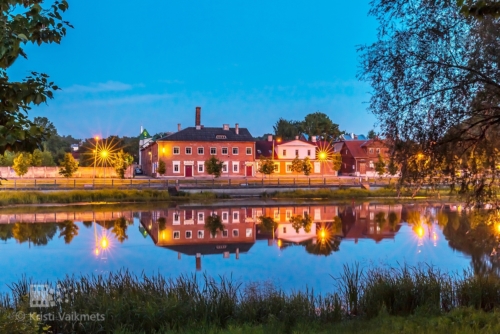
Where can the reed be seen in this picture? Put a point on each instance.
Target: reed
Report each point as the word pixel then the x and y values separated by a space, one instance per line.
pixel 190 303
pixel 348 193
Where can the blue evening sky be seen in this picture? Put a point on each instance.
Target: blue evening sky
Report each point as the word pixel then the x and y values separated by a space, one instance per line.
pixel 150 63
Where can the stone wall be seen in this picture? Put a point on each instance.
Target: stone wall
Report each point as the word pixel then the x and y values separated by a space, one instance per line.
pixel 53 172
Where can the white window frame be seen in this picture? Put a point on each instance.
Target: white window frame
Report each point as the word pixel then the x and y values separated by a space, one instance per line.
pixel 222 151
pixel 225 168
pixel 235 149
pixel 190 150
pixel 190 236
pixel 287 165
pixel 237 234
pixel 213 150
pixel 284 153
pixel 176 233
pixel 371 164
pixel 249 232
pixel 236 217
pixel 227 217
pixel 370 150
pixel 178 164
pixel 225 233
pixel 200 218
pixel 276 214
pixel 178 150
pixel 202 150
pixel 377 150
pixel 249 149
pixel 201 234
pixel 177 218
pixel 288 215
pixel 317 214
pixel 237 165
pixel 202 165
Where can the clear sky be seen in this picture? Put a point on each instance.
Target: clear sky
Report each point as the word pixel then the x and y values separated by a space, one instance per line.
pixel 150 63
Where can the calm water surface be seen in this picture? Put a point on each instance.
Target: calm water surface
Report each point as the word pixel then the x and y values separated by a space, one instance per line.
pixel 49 244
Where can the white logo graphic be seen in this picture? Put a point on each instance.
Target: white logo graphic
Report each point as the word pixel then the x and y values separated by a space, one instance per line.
pixel 42 295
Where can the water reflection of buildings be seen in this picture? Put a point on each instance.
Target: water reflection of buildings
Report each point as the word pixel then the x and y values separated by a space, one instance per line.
pixel 60 217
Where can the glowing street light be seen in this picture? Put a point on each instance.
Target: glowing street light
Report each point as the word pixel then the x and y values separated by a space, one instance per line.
pixel 104 243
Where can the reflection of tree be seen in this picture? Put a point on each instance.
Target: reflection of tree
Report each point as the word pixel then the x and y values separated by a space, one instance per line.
pixel 69 230
pixel 6 232
pixel 380 219
pixel 299 222
pixel 120 229
pixel 88 224
pixel 38 234
pixel 213 224
pixel 322 247
pixel 162 223
pixel 393 220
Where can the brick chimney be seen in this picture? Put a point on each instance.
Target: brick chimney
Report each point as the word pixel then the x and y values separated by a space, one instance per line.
pixel 313 139
pixel 198 117
pixel 179 127
pixel 237 128
pixel 269 137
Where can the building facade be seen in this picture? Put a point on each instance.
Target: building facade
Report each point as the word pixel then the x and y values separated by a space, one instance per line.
pixel 360 156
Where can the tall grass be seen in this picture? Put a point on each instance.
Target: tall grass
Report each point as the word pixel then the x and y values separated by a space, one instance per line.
pixel 151 304
pixel 92 196
pixel 343 193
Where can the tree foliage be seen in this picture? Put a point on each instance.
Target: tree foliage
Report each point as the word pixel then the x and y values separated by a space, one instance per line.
pixel 22 163
pixel 266 166
pixel 435 76
pixel 214 224
pixel 297 165
pixel 26 22
pixel 287 130
pixel 380 165
pixel 213 166
pixel 307 166
pixel 299 222
pixel 121 161
pixel 68 166
pixel 162 168
pixel 315 124
pixel 336 161
pixel 268 224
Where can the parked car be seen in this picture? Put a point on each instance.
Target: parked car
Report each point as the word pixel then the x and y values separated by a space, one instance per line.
pixel 138 171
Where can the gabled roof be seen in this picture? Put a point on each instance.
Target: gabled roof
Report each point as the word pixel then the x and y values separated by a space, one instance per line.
pixel 209 134
pixel 264 148
pixel 302 141
pixel 144 135
pixel 355 148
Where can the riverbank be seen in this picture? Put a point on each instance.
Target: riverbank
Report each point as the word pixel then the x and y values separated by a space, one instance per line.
pixel 375 300
pixel 124 196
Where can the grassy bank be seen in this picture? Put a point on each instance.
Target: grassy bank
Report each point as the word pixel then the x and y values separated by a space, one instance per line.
pixel 93 196
pixel 348 193
pixel 404 300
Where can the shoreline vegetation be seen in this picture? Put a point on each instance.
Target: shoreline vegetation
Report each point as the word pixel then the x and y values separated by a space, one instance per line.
pixel 114 196
pixel 405 299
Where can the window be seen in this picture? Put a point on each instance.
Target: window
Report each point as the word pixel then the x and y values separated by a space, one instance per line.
pixel 213 151
pixel 201 234
pixel 236 216
pixel 317 214
pixel 236 233
pixel 372 215
pixel 288 167
pixel 188 215
pixel 177 150
pixel 284 153
pixel 308 153
pixel 276 167
pixel 353 167
pixel 249 151
pixel 236 167
pixel 304 213
pixel 288 214
pixel 225 217
pixel 371 164
pixel 177 166
pixel 224 167
pixel 371 150
pixel 225 234
pixel 177 218
pixel 201 217
pixel 235 151
pixel 296 153
pixel 201 167
pixel 220 137
pixel 188 150
pixel 276 215
pixel 249 232
pixel 189 234
pixel 317 167
pixel 201 150
pixel 284 229
pixel 224 150
pixel 177 235
pixel 378 150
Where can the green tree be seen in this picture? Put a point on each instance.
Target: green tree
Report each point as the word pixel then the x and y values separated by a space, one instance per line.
pixel 307 166
pixel 162 168
pixel 36 158
pixel 7 159
pixel 287 130
pixel 213 166
pixel 336 161
pixel 47 159
pixel 380 165
pixel 213 224
pixel 26 22
pixel 320 125
pixel 121 161
pixel 68 166
pixel 372 134
pixel 266 166
pixel 268 224
pixel 46 125
pixel 392 168
pixel 37 234
pixel 22 163
pixel 297 165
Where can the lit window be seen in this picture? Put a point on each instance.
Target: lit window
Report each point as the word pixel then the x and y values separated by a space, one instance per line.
pixel 201 150
pixel 236 233
pixel 201 234
pixel 249 151
pixel 235 151
pixel 189 234
pixel 177 235
pixel 276 215
pixel 371 164
pixel 188 150
pixel 177 150
pixel 213 151
pixel 288 168
pixel 224 150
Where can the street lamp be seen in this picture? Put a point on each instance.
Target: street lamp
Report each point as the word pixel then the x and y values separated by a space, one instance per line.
pixel 104 155
pixel 95 152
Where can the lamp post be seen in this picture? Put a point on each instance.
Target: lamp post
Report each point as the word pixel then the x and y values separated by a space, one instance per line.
pixel 95 152
pixel 104 155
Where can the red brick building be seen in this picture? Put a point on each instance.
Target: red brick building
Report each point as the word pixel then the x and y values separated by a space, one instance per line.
pixel 360 156
pixel 185 151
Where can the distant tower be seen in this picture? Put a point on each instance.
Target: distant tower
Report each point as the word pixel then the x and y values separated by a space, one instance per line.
pixel 144 138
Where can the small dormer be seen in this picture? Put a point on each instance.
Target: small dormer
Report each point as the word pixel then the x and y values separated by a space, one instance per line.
pixel 225 127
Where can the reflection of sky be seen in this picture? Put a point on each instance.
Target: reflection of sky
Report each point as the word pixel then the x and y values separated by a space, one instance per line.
pixel 291 268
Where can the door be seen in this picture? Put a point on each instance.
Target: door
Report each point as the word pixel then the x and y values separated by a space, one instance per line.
pixel 249 171
pixel 362 168
pixel 189 171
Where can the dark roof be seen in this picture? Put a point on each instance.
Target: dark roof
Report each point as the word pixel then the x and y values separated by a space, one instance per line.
pixel 212 248
pixel 209 134
pixel 264 148
pixel 354 147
